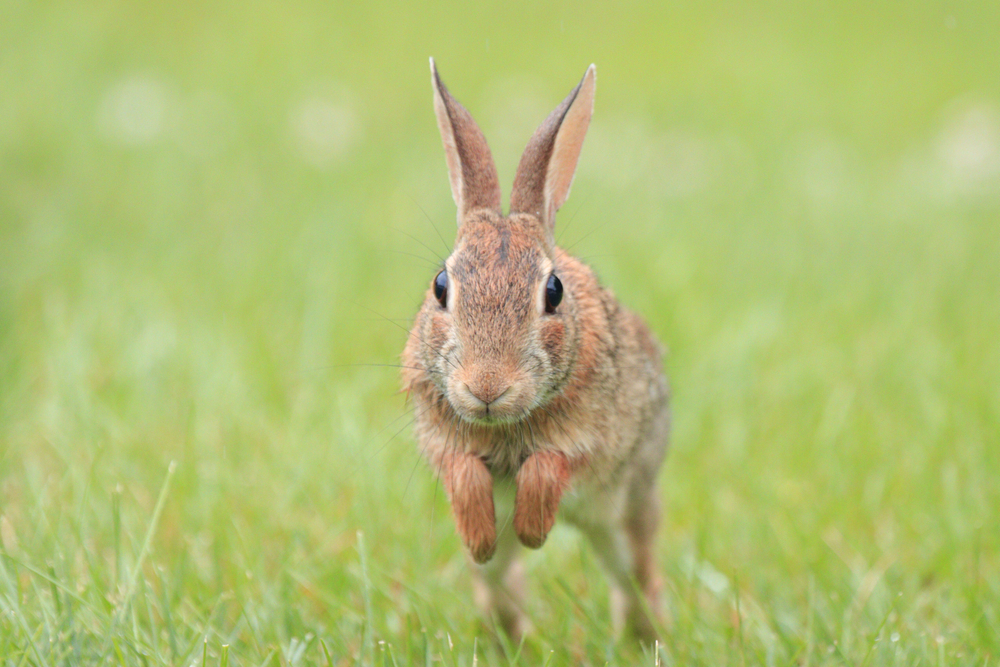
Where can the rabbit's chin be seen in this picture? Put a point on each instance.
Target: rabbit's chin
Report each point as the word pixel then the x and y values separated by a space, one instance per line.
pixel 492 421
pixel 493 416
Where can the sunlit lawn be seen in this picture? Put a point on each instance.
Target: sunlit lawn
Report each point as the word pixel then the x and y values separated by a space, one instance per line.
pixel 215 222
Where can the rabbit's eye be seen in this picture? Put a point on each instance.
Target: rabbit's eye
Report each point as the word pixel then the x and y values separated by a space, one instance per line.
pixel 441 288
pixel 553 293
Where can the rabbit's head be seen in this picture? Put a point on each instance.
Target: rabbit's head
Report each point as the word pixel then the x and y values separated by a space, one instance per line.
pixel 499 331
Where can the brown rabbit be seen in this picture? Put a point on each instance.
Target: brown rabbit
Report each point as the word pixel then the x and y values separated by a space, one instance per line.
pixel 530 380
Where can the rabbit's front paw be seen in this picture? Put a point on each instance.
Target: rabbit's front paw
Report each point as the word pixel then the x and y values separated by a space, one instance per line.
pixel 470 490
pixel 540 484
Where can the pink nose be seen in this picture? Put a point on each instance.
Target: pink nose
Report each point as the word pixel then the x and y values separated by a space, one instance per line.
pixel 487 392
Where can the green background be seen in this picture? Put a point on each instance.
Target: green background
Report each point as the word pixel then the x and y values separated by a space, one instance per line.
pixel 216 220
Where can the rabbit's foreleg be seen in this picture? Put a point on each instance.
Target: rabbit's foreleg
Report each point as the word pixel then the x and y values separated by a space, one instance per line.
pixel 541 481
pixel 469 486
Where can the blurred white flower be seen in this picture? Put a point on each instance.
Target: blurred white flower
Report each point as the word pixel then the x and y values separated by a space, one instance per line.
pixel 134 111
pixel 325 127
pixel 151 347
pixel 960 161
pixel 673 163
pixel 969 145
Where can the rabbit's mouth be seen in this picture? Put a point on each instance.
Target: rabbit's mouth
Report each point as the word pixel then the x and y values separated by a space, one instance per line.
pixel 491 405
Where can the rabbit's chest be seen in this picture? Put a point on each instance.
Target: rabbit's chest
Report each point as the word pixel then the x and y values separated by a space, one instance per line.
pixel 504 455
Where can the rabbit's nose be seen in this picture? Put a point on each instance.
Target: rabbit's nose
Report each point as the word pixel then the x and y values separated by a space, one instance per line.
pixel 487 392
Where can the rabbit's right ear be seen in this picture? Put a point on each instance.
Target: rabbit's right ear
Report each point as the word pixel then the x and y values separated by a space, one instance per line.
pixel 545 173
pixel 474 182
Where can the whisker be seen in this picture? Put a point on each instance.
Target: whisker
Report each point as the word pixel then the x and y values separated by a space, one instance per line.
pixel 421 451
pixel 405 426
pixel 421 257
pixel 367 459
pixel 438 477
pixel 409 333
pixel 417 204
pixel 571 218
pixel 416 368
pixel 413 470
pixel 420 242
pixel 373 319
pixel 585 236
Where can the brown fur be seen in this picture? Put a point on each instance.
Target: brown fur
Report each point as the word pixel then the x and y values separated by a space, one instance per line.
pixel 469 486
pixel 541 481
pixel 466 145
pixel 569 406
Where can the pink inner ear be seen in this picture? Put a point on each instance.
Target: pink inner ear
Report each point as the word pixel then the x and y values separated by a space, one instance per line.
pixel 450 149
pixel 545 172
pixel 568 144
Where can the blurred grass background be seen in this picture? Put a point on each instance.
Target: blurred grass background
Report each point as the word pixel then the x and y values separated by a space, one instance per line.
pixel 207 214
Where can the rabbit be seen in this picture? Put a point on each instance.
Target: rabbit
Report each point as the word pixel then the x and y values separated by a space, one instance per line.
pixel 532 386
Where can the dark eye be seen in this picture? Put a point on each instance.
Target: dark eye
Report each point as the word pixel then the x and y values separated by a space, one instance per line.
pixel 553 293
pixel 441 288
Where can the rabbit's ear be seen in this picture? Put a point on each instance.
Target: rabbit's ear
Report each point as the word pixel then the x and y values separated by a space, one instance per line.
pixel 546 170
pixel 474 182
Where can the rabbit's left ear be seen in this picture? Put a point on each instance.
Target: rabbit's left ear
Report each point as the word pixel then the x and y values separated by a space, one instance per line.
pixel 545 173
pixel 473 176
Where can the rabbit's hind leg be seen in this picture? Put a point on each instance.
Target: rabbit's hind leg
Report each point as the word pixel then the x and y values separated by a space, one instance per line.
pixel 640 529
pixel 625 549
pixel 611 546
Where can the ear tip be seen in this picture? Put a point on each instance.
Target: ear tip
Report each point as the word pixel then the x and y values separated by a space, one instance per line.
pixel 589 80
pixel 436 79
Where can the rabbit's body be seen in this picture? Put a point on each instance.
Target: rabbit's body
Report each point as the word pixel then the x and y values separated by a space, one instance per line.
pixel 528 377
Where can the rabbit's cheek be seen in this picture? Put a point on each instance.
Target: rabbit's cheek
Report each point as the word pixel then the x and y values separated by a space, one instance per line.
pixel 435 338
pixel 438 333
pixel 553 339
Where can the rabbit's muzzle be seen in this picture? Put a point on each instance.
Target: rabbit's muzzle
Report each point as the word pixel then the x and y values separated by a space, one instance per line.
pixel 488 396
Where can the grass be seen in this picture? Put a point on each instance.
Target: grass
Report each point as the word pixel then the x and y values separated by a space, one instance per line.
pixel 213 231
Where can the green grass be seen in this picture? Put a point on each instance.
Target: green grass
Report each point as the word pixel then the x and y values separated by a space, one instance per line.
pixel 206 214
